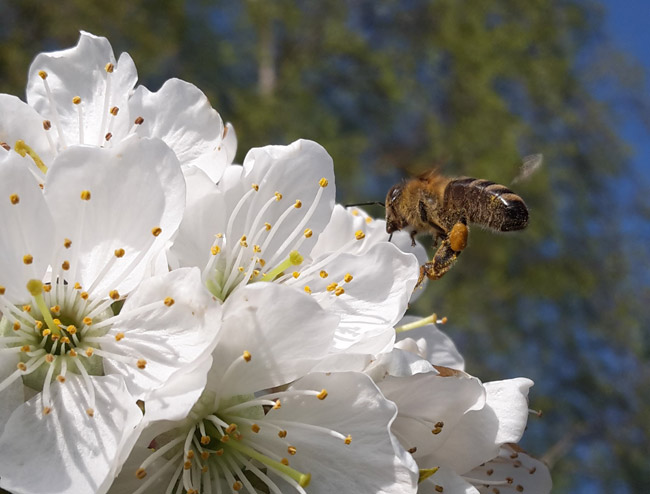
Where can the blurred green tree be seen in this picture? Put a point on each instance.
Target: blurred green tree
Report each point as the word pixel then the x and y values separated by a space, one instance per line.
pixel 394 87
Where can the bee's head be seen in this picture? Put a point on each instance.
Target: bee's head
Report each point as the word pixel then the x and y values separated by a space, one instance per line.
pixel 394 221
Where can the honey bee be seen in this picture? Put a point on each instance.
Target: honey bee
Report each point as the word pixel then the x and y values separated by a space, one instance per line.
pixel 444 207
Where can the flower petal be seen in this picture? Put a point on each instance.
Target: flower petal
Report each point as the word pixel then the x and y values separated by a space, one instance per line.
pixel 81 71
pixel 431 344
pixel 68 451
pixel 27 228
pixel 21 122
pixel 135 201
pixel 480 433
pixel 284 330
pixel 371 294
pixel 179 330
pixel 372 462
pixel 181 115
pixel 525 473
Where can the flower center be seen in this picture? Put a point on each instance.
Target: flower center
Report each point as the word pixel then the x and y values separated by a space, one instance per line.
pixel 56 332
pixel 237 260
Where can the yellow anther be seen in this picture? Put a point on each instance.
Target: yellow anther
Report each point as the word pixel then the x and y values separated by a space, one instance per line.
pixel 219 452
pixel 323 274
pixel 14 199
pixel 16 326
pixel 307 289
pixel 348 278
pixel 60 378
pixel 267 226
pixel 25 348
pixel 231 428
pixel 57 310
pixel 256 187
pixel 119 253
pixel 140 473
pixel 215 249
pixel 77 286
pixel 255 428
pixel 339 291
pixel 237 486
pixel 323 182
pixel 72 329
pixel 5 146
pixel 72 353
pixel 42 74
pixel 262 262
pixel 332 286
pixel 257 248
pixel 21 366
pixel 295 274
pixel 368 219
pixel 187 465
pixel 205 440
pixel 89 352
pixel 278 196
pixel 28 259
pixel 156 231
pixel 47 125
pixel 139 121
pixel 114 294
pixel 47 410
pixel 282 434
pixel 242 241
pixel 119 336
pixel 65 265
pixel 49 358
pixel 169 301
pixel 38 325
pixel 76 100
pixel 298 204
pixel 359 235
pixel 190 454
pixel 46 332
pixel 2 290
pixel 109 67
pixel 224 439
pixel 241 269
pixel 278 404
pixel 308 232
pixel 84 295
pixel 47 288
pixel 67 243
pixel 87 321
pixel 108 136
pixel 322 395
pixel 141 363
pixel 27 308
pixel 219 235
pixel 85 195
pixel 114 111
pixel 247 356
pixel 348 439
pixel 285 462
pixel 291 450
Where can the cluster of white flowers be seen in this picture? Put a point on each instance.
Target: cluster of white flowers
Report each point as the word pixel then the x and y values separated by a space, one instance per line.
pixel 176 323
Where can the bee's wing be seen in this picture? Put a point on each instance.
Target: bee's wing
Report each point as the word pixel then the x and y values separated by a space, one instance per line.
pixel 530 164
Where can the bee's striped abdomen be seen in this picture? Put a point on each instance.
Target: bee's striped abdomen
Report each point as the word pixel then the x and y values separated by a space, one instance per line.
pixel 486 203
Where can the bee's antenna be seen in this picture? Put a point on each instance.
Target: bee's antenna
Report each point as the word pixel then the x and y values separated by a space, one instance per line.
pixel 371 203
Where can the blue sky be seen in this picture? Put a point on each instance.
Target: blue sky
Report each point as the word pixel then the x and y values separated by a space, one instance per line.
pixel 628 27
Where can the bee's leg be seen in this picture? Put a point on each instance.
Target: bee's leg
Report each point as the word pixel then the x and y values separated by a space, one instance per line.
pixel 446 255
pixel 413 234
pixel 390 237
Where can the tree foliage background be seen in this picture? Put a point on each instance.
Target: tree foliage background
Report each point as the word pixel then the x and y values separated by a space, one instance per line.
pixel 394 87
